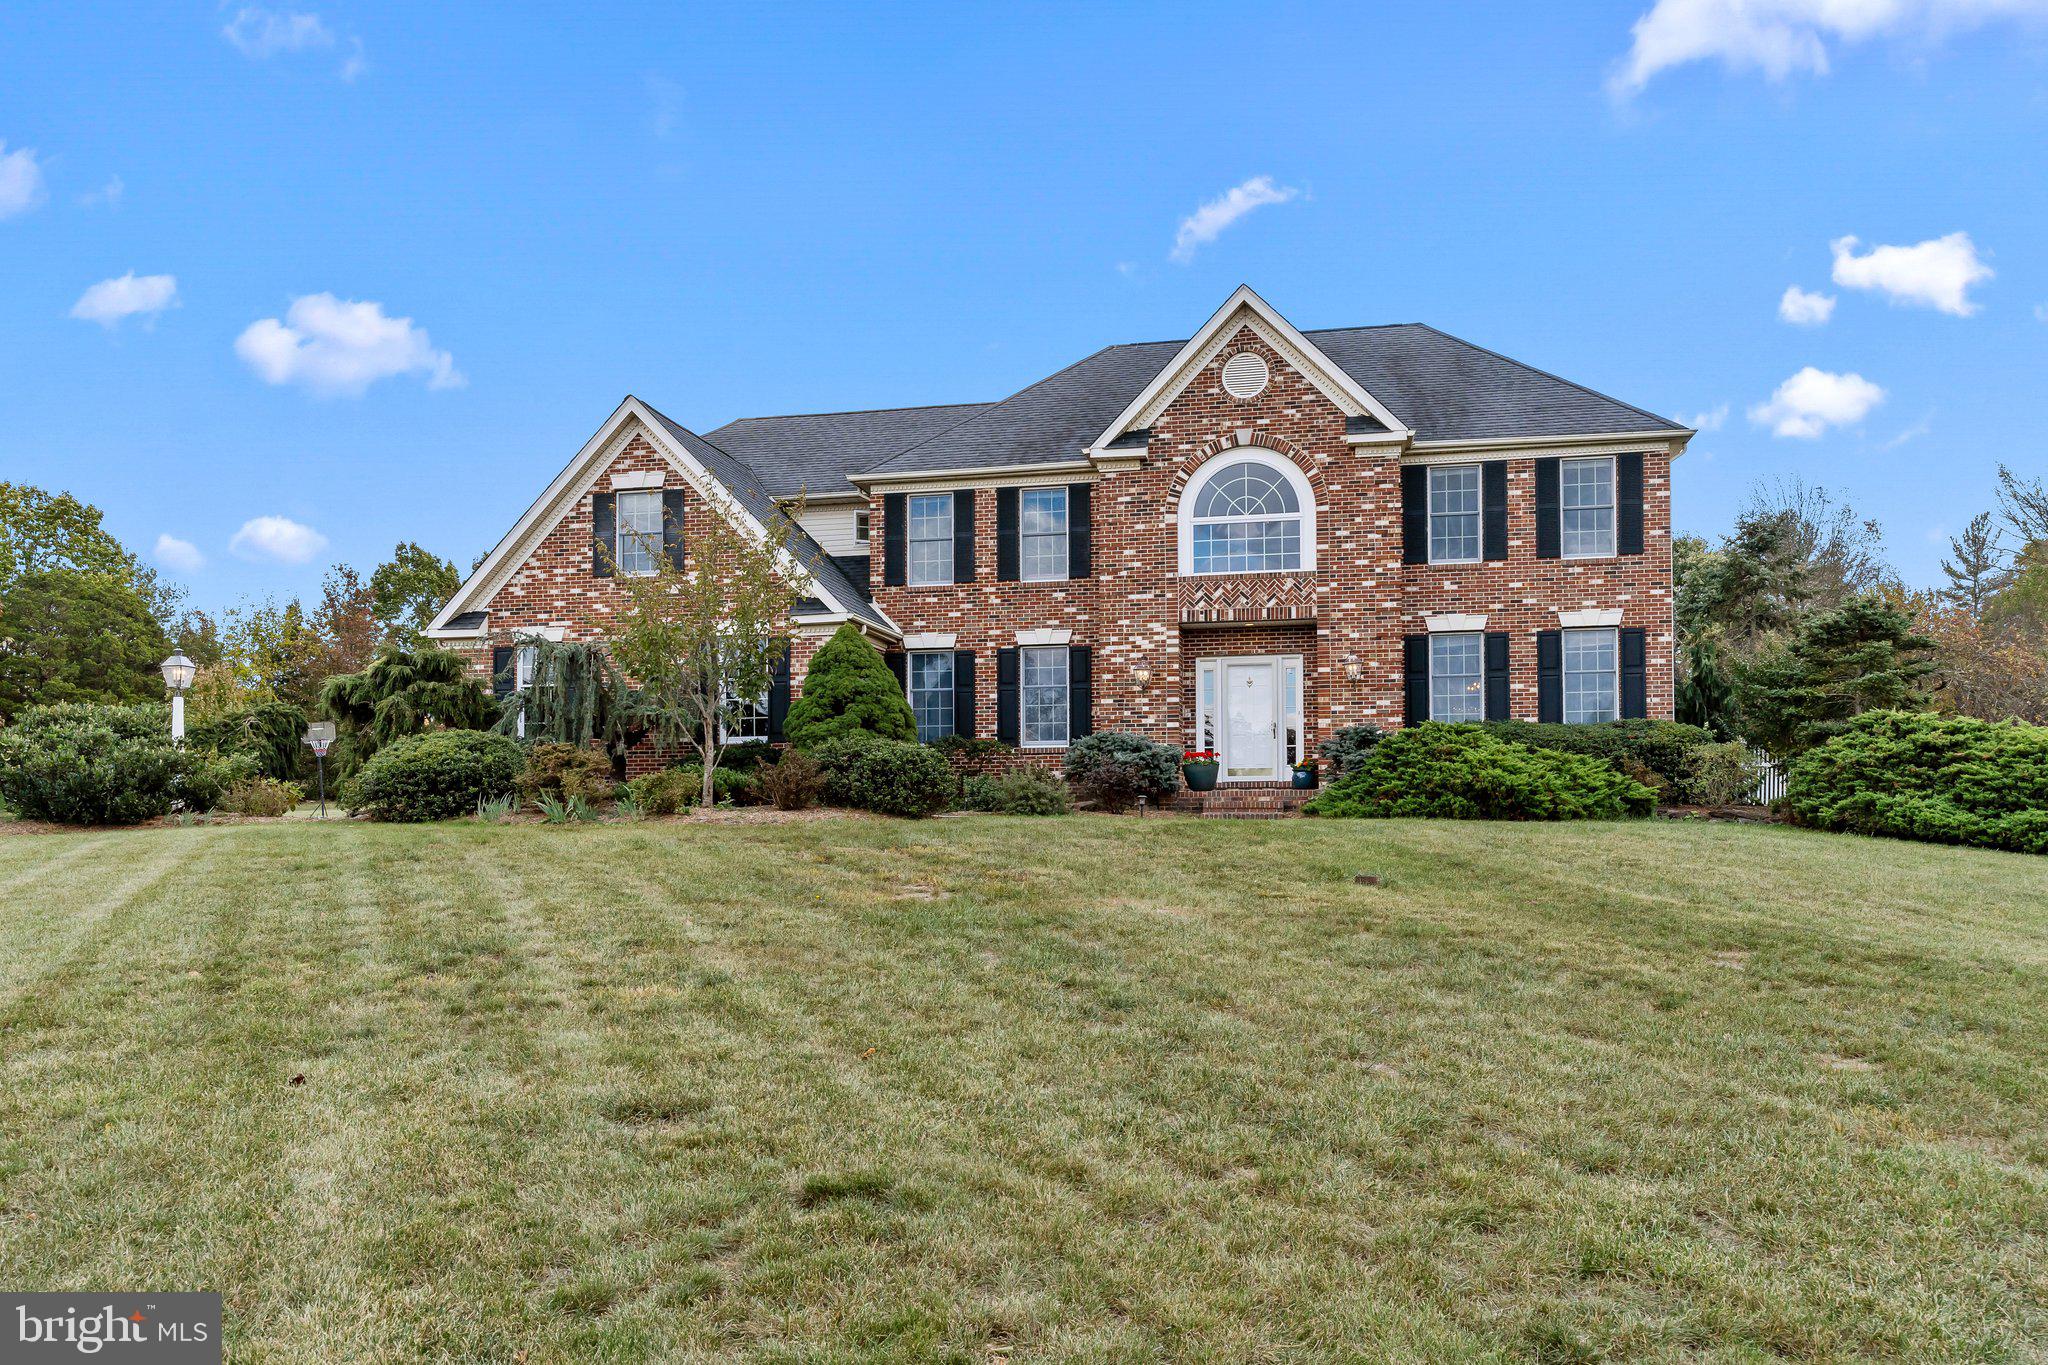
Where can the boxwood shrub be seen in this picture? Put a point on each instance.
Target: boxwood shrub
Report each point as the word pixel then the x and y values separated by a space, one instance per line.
pixel 80 764
pixel 677 789
pixel 888 776
pixel 1115 769
pixel 435 776
pixel 1463 772
pixel 1939 779
pixel 1025 791
pixel 1662 754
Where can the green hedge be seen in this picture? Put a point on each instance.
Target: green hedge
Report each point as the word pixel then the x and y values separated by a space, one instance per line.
pixel 80 764
pixel 887 776
pixel 1463 772
pixel 1026 791
pixel 1662 754
pixel 1939 779
pixel 435 776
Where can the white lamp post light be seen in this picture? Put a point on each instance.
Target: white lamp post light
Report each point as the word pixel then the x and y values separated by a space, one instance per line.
pixel 178 672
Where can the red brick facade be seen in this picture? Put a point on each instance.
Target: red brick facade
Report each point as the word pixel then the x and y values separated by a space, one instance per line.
pixel 1145 621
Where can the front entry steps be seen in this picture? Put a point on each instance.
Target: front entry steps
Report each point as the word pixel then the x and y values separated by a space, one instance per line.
pixel 1243 801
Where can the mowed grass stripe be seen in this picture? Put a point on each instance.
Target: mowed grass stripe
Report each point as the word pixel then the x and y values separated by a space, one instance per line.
pixel 50 915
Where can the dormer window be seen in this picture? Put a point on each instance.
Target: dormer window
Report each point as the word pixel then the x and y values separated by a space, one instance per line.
pixel 1247 512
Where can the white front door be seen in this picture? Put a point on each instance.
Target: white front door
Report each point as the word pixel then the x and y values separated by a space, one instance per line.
pixel 1251 725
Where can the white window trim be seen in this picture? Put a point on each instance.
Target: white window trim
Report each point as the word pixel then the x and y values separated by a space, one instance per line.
pixel 1482 670
pixel 1429 513
pixel 1057 635
pixel 1066 691
pixel 1564 674
pixel 950 540
pixel 1216 464
pixel 930 642
pixel 1454 623
pixel 1613 492
pixel 1066 536
pixel 910 654
pixel 1588 619
pixel 619 534
pixel 861 518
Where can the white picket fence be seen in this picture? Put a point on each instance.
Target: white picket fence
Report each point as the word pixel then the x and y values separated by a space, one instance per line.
pixel 1770 780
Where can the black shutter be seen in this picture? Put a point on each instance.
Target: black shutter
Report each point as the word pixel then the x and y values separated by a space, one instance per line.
pixel 1635 675
pixel 1415 514
pixel 895 541
pixel 1496 676
pixel 1080 692
pixel 778 698
pixel 1009 537
pixel 1549 676
pixel 899 664
pixel 1549 529
pixel 1080 530
pixel 501 672
pixel 1493 509
pixel 1009 725
pixel 963 693
pixel 672 527
pixel 1415 673
pixel 602 523
pixel 1628 504
pixel 963 536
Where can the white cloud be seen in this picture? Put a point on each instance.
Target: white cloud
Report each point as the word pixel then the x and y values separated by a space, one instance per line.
pixel 261 33
pixel 108 194
pixel 1811 401
pixel 181 556
pixel 1713 419
pixel 356 63
pixel 126 296
pixel 1802 309
pixel 1912 433
pixel 1937 273
pixel 1783 38
pixel 21 180
pixel 277 539
pixel 334 347
pixel 1206 223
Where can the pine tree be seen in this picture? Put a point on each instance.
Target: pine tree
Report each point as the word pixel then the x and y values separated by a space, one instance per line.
pixel 1977 570
pixel 849 688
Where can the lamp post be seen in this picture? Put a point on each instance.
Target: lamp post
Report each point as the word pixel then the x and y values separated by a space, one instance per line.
pixel 178 672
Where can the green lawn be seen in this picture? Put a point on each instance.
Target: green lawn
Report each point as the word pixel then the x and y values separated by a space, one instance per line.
pixel 1083 1089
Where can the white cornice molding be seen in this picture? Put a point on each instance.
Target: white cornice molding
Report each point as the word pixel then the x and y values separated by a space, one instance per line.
pixel 1507 447
pixel 1004 476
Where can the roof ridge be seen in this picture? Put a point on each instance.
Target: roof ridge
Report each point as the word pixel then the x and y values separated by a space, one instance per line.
pixel 991 407
pixel 855 412
pixel 1551 374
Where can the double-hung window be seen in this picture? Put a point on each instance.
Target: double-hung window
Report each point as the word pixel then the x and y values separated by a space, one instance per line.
pixel 1042 525
pixel 931 538
pixel 1592 682
pixel 1586 504
pixel 931 693
pixel 639 533
pixel 1457 676
pixel 746 722
pixel 1042 678
pixel 1453 513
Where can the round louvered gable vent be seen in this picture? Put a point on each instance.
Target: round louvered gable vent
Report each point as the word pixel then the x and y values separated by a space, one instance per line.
pixel 1245 375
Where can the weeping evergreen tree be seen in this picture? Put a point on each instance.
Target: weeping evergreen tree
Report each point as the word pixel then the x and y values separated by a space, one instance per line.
pixel 578 695
pixel 400 692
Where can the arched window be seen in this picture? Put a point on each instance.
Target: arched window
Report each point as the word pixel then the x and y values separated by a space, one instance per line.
pixel 1247 513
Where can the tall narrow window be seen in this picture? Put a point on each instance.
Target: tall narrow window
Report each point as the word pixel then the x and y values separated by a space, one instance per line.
pixel 1044 696
pixel 1591 679
pixel 1247 519
pixel 1042 524
pixel 931 538
pixel 860 526
pixel 1586 503
pixel 931 693
pixel 1453 513
pixel 1457 677
pixel 524 660
pixel 639 533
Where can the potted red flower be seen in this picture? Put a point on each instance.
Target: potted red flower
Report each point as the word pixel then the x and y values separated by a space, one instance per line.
pixel 1199 767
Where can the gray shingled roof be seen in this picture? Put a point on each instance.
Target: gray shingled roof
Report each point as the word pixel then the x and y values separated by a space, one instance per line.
pixel 815 451
pixel 740 480
pixel 1443 388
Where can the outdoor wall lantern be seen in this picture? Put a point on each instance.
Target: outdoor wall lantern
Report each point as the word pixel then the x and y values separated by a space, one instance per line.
pixel 1353 669
pixel 1141 675
pixel 178 672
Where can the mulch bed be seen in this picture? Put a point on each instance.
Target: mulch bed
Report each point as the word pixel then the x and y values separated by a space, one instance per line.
pixel 1744 815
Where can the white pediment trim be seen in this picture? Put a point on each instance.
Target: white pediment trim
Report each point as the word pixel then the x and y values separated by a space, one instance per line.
pixel 1245 308
pixel 932 640
pixel 1448 622
pixel 631 420
pixel 1589 618
pixel 1054 636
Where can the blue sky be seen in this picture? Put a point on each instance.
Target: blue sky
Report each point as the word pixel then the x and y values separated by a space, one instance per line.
pixel 775 209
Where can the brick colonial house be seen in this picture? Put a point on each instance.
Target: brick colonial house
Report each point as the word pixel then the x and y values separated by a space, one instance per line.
pixel 1241 541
